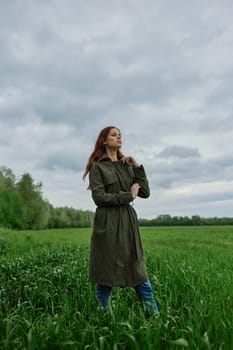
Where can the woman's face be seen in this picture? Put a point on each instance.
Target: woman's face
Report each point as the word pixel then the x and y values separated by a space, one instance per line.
pixel 114 139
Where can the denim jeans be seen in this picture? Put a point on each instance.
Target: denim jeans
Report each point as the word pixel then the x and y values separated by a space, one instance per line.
pixel 143 291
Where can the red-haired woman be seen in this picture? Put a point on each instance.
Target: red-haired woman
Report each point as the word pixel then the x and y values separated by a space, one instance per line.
pixel 116 255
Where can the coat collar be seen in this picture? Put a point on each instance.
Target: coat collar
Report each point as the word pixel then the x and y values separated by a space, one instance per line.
pixel 105 157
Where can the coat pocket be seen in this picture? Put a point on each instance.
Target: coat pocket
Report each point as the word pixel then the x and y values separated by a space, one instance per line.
pixel 109 177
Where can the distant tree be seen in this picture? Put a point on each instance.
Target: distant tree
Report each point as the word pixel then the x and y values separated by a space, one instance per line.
pixel 196 220
pixel 7 178
pixel 10 202
pixel 34 207
pixel 64 217
pixel 11 213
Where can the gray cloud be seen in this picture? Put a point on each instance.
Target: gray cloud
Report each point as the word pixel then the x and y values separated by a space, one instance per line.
pixel 177 171
pixel 179 152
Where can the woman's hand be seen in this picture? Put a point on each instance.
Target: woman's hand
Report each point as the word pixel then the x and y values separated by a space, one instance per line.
pixel 130 161
pixel 134 189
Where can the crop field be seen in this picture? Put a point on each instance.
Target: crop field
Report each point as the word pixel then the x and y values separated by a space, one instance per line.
pixel 47 302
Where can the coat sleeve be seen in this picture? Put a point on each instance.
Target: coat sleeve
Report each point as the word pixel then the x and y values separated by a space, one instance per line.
pixel 100 196
pixel 140 177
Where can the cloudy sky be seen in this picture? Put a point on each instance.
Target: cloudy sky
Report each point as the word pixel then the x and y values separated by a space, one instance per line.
pixel 162 71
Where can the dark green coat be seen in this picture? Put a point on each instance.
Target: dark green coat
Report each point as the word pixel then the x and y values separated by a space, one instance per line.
pixel 116 256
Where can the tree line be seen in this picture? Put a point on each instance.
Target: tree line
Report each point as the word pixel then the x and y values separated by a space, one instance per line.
pixel 195 220
pixel 22 206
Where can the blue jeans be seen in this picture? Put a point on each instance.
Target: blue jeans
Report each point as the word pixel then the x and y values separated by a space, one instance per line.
pixel 143 291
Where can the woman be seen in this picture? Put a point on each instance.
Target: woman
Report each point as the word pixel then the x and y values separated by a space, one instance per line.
pixel 116 255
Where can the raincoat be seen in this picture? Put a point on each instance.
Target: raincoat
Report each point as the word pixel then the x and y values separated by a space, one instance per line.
pixel 116 253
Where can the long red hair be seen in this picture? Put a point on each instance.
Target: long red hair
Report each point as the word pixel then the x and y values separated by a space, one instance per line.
pixel 100 149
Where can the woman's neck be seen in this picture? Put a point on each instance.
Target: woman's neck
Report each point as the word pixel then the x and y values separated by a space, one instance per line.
pixel 112 154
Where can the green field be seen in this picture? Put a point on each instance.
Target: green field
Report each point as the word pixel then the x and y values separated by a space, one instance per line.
pixel 47 302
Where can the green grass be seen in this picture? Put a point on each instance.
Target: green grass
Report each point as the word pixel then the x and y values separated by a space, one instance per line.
pixel 47 302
